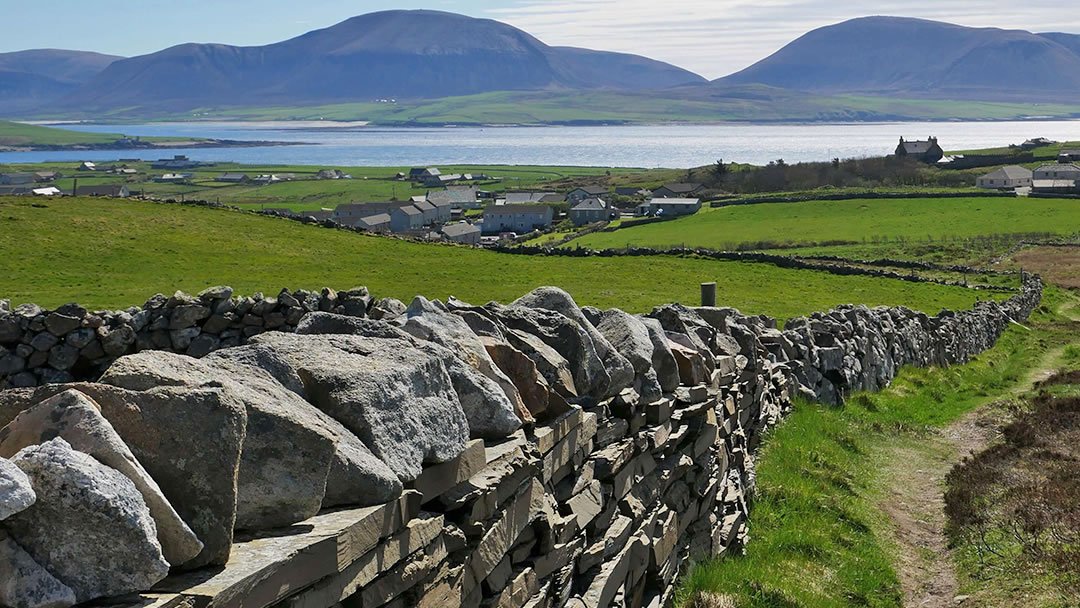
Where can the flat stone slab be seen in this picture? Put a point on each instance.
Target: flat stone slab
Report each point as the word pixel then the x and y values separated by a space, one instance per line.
pixel 265 570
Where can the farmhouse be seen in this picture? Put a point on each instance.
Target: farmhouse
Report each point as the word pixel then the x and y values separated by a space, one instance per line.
pixel 428 211
pixel 436 181
pixel 590 210
pixel 516 218
pixel 406 218
pixel 677 190
pixel 580 194
pixel 1006 178
pixel 418 174
pixel 1057 171
pixel 669 207
pixel 233 178
pixel 113 190
pixel 462 197
pixel 633 191
pixel 379 222
pixel 169 178
pixel 462 232
pixel 17 179
pixel 87 166
pixel 123 171
pixel 332 174
pixel 927 151
pixel 48 176
pixel 1069 156
pixel 177 162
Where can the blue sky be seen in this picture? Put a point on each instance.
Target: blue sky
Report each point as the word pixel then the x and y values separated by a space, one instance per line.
pixel 711 37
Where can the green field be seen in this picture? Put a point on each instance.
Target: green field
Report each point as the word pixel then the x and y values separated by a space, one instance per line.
pixel 863 221
pixel 14 134
pixel 116 253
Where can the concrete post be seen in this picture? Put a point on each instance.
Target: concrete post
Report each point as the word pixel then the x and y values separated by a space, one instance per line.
pixel 708 294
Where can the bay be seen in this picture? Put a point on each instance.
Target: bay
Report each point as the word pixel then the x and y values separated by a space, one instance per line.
pixel 675 146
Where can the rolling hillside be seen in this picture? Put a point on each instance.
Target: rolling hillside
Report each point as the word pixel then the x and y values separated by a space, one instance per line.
pixel 385 55
pixel 31 78
pixel 918 58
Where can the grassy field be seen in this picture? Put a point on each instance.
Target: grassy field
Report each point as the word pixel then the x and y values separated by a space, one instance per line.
pixel 14 134
pixel 113 253
pixel 819 536
pixel 860 221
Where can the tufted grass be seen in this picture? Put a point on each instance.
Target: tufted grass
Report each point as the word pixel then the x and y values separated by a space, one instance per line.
pixel 116 253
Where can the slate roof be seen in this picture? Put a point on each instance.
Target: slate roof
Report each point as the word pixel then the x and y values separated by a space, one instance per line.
pixel 682 188
pixel 1010 172
pixel 459 229
pixel 591 203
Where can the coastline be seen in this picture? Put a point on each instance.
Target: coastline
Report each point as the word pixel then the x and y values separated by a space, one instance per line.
pixel 179 145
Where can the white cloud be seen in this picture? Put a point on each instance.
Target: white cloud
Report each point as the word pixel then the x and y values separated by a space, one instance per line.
pixel 717 37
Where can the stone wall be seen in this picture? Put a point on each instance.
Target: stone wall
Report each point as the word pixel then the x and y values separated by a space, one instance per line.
pixel 362 453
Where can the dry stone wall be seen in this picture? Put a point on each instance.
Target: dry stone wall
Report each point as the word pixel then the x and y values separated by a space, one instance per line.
pixel 337 449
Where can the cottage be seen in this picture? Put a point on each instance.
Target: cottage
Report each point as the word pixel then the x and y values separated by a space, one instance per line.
pixel 633 191
pixel 46 191
pixel 589 211
pixel 429 212
pixel 87 166
pixel 178 161
pixel 348 213
pixel 233 178
pixel 669 207
pixel 436 181
pixel 17 179
pixel 1036 142
pixel 516 218
pixel 406 218
pixel 171 178
pixel 462 197
pixel 332 174
pixel 124 171
pixel 48 176
pixel 1069 156
pixel 925 151
pixel 418 174
pixel 677 190
pixel 579 194
pixel 379 222
pixel 113 190
pixel 1057 171
pixel 462 232
pixel 1006 178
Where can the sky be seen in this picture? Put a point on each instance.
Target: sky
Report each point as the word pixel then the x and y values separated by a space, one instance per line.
pixel 711 37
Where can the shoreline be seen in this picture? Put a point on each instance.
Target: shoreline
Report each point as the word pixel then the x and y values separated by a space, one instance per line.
pixel 179 145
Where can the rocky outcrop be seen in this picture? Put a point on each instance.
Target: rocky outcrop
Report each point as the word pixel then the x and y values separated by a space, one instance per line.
pixel 89 527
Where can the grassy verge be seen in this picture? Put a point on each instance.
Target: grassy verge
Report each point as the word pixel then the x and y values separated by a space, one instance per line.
pixel 818 537
pixel 116 253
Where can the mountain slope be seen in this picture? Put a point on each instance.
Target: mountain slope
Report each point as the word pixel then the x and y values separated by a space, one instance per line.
pixel 890 55
pixel 390 54
pixel 32 78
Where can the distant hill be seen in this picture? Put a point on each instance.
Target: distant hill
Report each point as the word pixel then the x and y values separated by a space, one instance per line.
pixel 32 78
pixel 387 55
pixel 917 58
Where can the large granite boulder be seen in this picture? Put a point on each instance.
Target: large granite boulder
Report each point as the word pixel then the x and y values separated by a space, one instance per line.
pixel 287 448
pixel 630 337
pixel 16 494
pixel 76 418
pixel 89 527
pixel 319 323
pixel 25 584
pixel 564 336
pixel 356 476
pixel 676 318
pixel 427 322
pixel 620 372
pixel 522 371
pixel 398 399
pixel 164 427
pixel 554 368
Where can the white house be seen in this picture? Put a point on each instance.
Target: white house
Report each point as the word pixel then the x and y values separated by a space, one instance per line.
pixel 670 207
pixel 1057 171
pixel 1006 178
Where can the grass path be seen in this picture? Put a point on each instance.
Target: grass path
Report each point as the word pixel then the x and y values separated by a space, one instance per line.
pixel 913 496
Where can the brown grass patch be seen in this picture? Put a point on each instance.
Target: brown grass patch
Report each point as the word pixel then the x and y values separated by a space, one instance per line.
pixel 1058 265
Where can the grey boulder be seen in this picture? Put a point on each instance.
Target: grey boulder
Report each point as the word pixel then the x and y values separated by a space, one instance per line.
pixel 630 337
pixel 25 584
pixel 398 399
pixel 663 360
pixel 89 527
pixel 620 372
pixel 16 494
pixel 76 418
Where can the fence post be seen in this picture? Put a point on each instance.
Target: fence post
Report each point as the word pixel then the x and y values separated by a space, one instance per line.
pixel 708 294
